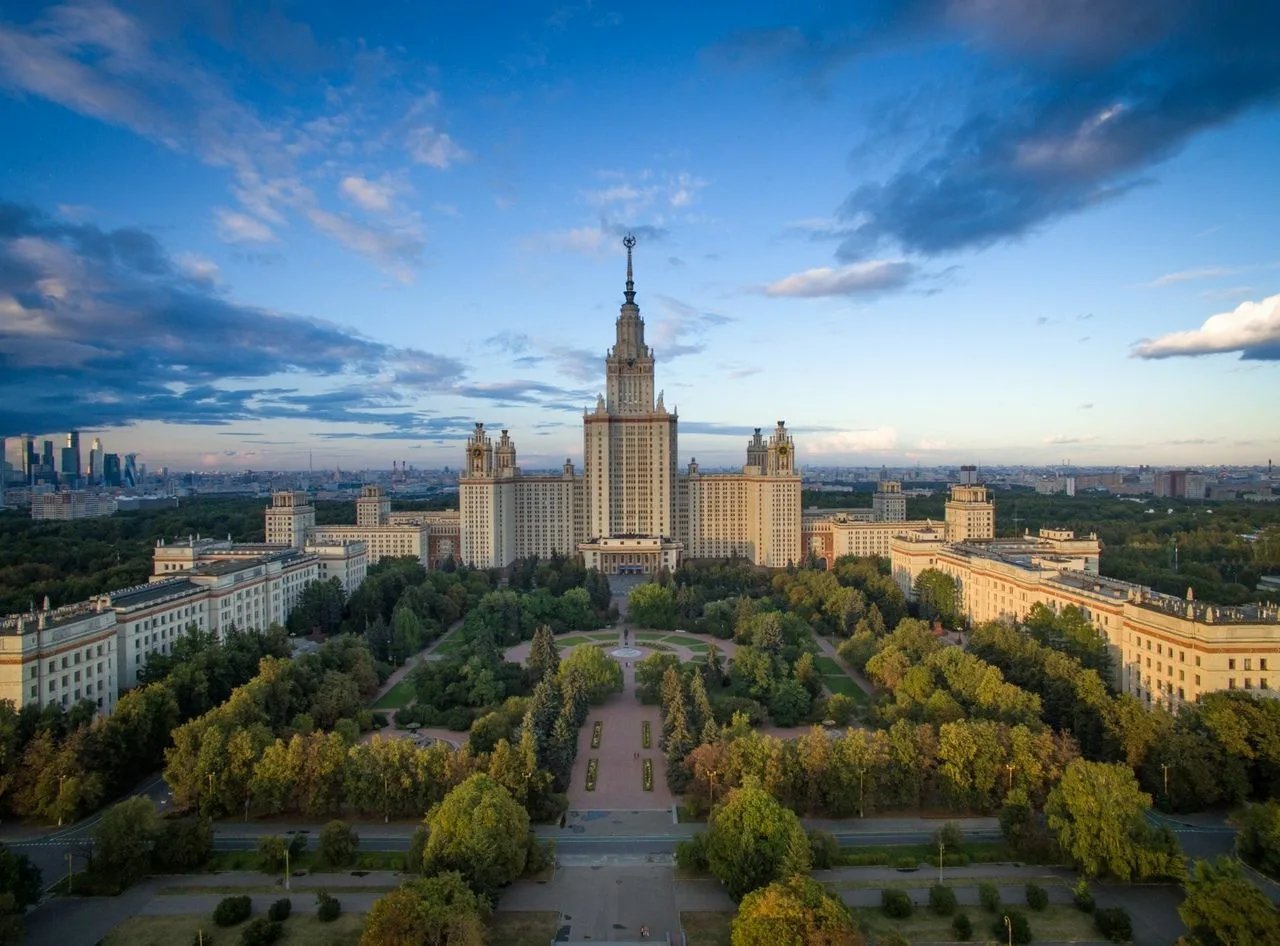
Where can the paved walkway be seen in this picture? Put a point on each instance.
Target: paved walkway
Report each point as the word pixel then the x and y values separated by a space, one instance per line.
pixel 621 754
pixel 829 650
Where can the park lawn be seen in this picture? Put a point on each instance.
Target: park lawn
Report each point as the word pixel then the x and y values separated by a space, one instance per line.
pixel 451 644
pixel 573 640
pixel 706 927
pixel 523 928
pixel 829 666
pixel 842 684
pixel 398 697
pixel 181 929
pixel 1056 923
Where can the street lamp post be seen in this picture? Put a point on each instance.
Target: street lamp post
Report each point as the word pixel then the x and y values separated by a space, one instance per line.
pixel 68 872
pixel 1009 767
pixel 942 846
pixel 1165 768
pixel 712 776
pixel 61 778
pixel 861 812
pixel 1008 925
pixel 386 798
pixel 287 872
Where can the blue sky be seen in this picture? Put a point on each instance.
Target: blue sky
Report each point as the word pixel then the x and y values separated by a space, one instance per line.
pixel 236 235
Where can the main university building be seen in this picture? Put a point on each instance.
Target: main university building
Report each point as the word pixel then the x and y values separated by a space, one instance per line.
pixel 632 511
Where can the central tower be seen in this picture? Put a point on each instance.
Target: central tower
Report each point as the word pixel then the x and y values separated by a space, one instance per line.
pixel 629 452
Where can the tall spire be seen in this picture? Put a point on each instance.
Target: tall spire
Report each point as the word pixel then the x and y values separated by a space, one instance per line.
pixel 629 241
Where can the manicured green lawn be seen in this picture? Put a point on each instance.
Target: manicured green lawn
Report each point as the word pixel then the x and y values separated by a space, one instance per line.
pixel 451 644
pixel 843 684
pixel 706 928
pixel 1056 923
pixel 828 666
pixel 398 697
pixel 527 928
pixel 180 930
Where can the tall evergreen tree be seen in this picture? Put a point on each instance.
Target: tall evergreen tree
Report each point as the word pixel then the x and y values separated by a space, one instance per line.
pixel 699 704
pixel 544 659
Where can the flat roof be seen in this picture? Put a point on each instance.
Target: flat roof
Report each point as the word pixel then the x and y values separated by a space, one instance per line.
pixel 156 591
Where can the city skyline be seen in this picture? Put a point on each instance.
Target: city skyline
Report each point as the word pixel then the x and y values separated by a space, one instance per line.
pixel 886 231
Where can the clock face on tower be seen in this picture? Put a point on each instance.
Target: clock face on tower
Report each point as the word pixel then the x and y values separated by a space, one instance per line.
pixel 782 451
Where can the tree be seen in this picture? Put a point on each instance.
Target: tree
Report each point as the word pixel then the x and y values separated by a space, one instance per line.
pixel 752 841
pixel 1259 837
pixel 480 831
pixel 794 912
pixel 1222 908
pixel 936 597
pixel 543 659
pixel 19 879
pixel 1097 814
pixel 789 703
pixel 439 910
pixel 598 674
pixel 652 605
pixel 123 838
pixel 338 844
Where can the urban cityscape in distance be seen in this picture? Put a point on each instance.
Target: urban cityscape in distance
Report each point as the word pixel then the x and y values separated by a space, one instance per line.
pixel 639 474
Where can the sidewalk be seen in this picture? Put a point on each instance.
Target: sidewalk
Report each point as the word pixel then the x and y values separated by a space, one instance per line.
pixel 829 650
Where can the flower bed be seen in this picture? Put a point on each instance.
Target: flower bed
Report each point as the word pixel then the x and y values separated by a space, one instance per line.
pixel 593 766
pixel 595 734
pixel 648 775
pixel 645 738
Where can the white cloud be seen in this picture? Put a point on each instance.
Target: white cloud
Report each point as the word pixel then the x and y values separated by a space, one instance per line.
pixel 1062 439
pixel 235 227
pixel 591 241
pixel 435 148
pixel 1188 275
pixel 369 195
pixel 1252 328
pixel 853 279
pixel 198 268
pixel 850 441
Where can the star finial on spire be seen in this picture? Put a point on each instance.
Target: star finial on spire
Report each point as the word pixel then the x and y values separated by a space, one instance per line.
pixel 629 241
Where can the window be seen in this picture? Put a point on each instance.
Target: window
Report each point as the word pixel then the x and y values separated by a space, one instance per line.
pixel 1262 683
pixel 1197 660
pixel 1262 663
pixel 1197 679
pixel 1231 683
pixel 1231 663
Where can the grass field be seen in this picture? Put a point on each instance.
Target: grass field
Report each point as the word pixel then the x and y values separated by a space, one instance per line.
pixel 307 860
pixel 843 684
pixel 398 697
pixel 181 930
pixel 1057 923
pixel 706 928
pixel 828 666
pixel 523 929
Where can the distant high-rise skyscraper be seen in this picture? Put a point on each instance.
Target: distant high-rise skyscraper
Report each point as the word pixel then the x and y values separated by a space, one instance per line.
pixel 73 444
pixel 111 469
pixel 47 465
pixel 130 473
pixel 95 461
pixel 28 444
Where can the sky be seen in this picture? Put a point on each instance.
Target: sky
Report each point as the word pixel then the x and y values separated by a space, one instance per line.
pixel 262 235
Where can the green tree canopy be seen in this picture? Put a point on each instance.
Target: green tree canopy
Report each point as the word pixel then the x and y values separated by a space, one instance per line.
pixel 794 912
pixel 752 841
pixel 598 673
pixel 123 839
pixel 481 832
pixel 440 911
pixel 1222 908
pixel 1097 811
pixel 543 657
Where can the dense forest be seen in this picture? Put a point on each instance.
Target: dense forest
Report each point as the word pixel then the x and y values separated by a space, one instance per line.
pixel 71 561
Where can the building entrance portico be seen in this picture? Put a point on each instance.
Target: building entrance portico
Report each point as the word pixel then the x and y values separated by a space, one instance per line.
pixel 631 554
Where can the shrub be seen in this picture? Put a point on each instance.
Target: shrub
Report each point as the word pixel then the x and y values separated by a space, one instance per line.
pixel 893 938
pixel 949 835
pixel 280 910
pixel 596 732
pixel 261 932
pixel 896 904
pixel 328 908
pixel 1019 930
pixel 593 767
pixel 271 850
pixel 989 897
pixel 840 709
pixel 646 736
pixel 183 844
pixel 942 900
pixel 1082 896
pixel 824 851
pixel 692 854
pixel 232 910
pixel 962 927
pixel 297 844
pixel 906 862
pixel 647 776
pixel 1037 897
pixel 1114 924
pixel 338 844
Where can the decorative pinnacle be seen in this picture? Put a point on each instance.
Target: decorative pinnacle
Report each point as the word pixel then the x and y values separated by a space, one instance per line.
pixel 629 241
